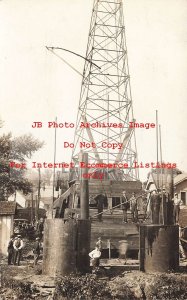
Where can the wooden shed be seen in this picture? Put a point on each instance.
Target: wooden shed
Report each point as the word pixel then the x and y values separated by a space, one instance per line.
pixel 7 212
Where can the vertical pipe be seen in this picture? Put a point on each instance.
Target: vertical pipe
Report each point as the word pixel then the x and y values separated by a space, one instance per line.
pixel 54 163
pixel 160 137
pixel 172 184
pixel 84 224
pixel 83 246
pixel 32 207
pixel 39 185
pixel 157 177
pixel 163 204
pixel 104 173
pixel 84 193
pixel 38 196
pixel 109 250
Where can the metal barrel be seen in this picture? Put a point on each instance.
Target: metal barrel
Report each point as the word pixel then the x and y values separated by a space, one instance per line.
pixel 159 248
pixel 83 246
pixel 59 255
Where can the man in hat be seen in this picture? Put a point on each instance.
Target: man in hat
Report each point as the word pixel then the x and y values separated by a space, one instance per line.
pixel 99 243
pixel 176 209
pixel 41 227
pixel 144 205
pixel 165 205
pixel 100 205
pixel 36 250
pixel 18 245
pixel 133 208
pixel 10 250
pixel 124 205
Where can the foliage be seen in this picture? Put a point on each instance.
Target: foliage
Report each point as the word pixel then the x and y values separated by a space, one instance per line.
pixel 17 149
pixel 169 287
pixel 175 171
pixel 82 288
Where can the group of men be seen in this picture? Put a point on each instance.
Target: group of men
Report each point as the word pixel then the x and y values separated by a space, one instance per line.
pixel 125 205
pixel 170 207
pixel 129 204
pixel 151 200
pixel 26 229
pixel 14 249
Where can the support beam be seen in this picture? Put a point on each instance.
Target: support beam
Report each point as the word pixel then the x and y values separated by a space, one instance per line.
pixel 84 193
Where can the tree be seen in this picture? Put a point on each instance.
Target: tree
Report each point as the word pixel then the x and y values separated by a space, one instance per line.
pixel 17 149
pixel 175 171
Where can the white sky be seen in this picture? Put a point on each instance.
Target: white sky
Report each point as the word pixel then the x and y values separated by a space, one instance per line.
pixel 37 86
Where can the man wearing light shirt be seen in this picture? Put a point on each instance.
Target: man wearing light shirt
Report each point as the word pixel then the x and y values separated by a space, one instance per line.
pixel 95 255
pixel 176 210
pixel 18 245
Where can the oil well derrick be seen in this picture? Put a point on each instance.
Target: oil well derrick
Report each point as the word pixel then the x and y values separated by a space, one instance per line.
pixel 105 110
pixel 105 105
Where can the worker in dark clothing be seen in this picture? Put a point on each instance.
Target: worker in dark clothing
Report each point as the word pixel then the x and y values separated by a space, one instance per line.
pixel 144 206
pixel 36 250
pixel 41 227
pixel 124 206
pixel 165 199
pixel 10 250
pixel 100 205
pixel 155 201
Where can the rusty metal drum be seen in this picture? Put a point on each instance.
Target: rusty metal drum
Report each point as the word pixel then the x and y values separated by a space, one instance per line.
pixel 159 248
pixel 59 254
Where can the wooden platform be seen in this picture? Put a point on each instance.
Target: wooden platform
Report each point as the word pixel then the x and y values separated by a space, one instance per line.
pixel 115 233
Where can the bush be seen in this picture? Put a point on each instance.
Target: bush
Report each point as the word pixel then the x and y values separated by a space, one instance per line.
pixel 82 288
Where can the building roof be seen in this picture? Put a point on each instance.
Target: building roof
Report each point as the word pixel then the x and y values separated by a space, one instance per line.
pixel 7 208
pixel 19 198
pixel 179 178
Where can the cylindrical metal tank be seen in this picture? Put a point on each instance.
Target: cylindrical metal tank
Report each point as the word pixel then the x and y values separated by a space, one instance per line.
pixel 159 248
pixel 83 246
pixel 59 255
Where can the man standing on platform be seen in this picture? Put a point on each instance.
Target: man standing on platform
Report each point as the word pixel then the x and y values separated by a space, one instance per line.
pixel 133 207
pixel 176 210
pixel 124 206
pixel 100 205
pixel 144 206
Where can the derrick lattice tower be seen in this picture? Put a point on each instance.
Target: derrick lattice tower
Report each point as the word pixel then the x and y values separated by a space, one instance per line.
pixel 105 105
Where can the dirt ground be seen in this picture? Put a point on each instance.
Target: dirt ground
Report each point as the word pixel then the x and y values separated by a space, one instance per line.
pixel 27 282
pixel 115 280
